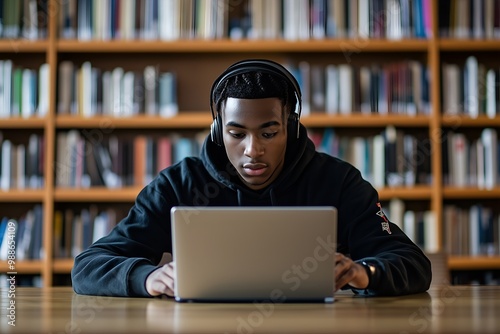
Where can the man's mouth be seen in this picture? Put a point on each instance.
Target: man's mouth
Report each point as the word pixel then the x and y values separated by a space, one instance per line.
pixel 254 169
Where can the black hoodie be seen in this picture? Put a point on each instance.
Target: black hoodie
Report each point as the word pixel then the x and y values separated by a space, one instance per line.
pixel 119 263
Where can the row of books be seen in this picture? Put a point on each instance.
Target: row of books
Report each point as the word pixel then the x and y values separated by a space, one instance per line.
pixel 391 88
pixel 471 89
pixel 24 92
pixel 390 158
pixel 475 19
pixel 319 19
pixel 24 19
pixel 419 225
pixel 471 160
pixel 473 230
pixel 21 164
pixel 76 230
pixel 118 161
pixel 26 235
pixel 89 91
pixel 253 19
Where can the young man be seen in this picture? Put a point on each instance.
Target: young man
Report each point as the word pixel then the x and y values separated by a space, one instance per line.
pixel 258 153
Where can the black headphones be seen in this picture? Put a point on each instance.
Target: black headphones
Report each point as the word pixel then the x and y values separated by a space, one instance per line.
pixel 254 65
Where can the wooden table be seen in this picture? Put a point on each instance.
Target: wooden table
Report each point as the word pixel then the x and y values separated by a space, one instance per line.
pixel 445 309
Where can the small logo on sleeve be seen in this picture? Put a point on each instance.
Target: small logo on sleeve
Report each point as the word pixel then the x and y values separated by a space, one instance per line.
pixel 385 224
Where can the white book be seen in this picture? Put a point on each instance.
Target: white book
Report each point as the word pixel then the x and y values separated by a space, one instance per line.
pixel 86 91
pixel 393 26
pixel 35 181
pixel 332 89
pixel 472 87
pixel 409 225
pixel 27 107
pixel 257 13
pixel 480 176
pixel 21 166
pixel 127 19
pixel 168 19
pixel 490 143
pixel 358 147
pixel 291 17
pixel 150 90
pixel 100 227
pixel 128 94
pixel 304 21
pixel 4 113
pixel 378 161
pixel 364 18
pixel 396 212
pixel 431 244
pixel 6 175
pixel 168 99
pixel 474 213
pixel 460 158
pixel 491 101
pixel 345 89
pixel 451 89
pixel 43 90
pixel 7 87
pixel 116 93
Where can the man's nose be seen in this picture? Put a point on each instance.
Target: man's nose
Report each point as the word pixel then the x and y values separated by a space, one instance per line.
pixel 253 147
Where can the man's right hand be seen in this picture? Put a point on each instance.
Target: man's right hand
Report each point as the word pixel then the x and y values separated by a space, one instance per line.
pixel 161 281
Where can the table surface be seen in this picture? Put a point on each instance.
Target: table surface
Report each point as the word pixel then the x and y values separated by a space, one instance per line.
pixel 443 309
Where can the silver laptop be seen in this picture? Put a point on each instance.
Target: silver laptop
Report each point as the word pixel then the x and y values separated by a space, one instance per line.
pixel 247 254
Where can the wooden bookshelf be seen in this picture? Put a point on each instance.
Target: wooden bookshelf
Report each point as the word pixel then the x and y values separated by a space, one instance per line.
pixel 198 63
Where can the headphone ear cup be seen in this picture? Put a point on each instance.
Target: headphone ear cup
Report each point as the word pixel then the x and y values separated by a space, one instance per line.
pixel 216 131
pixel 293 126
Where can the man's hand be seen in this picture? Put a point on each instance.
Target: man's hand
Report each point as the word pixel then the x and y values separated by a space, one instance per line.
pixel 349 272
pixel 161 281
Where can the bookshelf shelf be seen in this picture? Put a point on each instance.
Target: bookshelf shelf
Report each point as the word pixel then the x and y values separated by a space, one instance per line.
pixel 356 119
pixel 468 45
pixel 97 194
pixel 457 121
pixel 62 266
pixel 23 46
pixel 23 123
pixel 17 195
pixel 23 267
pixel 182 120
pixel 470 193
pixel 419 192
pixel 473 263
pixel 243 46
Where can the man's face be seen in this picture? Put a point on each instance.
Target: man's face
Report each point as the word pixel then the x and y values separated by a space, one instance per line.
pixel 254 135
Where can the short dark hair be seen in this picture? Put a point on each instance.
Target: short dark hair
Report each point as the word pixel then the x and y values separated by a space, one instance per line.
pixel 256 85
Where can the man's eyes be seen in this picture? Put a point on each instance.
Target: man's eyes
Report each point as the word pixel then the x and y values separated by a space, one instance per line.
pixel 267 135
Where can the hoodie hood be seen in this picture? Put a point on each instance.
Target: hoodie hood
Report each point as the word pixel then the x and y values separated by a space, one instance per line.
pixel 299 153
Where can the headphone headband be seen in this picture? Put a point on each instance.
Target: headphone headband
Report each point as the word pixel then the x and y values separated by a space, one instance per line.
pixel 254 65
pixel 257 65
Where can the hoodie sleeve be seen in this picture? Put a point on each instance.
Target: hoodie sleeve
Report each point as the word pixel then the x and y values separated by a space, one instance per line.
pixel 398 265
pixel 118 264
